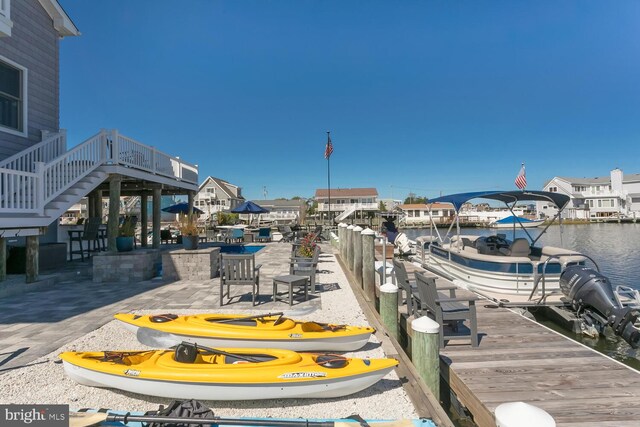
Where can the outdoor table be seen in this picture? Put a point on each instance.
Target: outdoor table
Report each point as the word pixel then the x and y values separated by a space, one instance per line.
pixel 291 281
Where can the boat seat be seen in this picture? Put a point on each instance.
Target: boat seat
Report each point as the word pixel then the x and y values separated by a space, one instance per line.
pixel 518 248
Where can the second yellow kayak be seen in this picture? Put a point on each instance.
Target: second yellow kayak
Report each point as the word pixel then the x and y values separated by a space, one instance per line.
pixel 271 330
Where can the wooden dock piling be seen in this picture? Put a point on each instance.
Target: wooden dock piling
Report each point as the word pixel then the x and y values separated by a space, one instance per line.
pixel 389 308
pixel 368 264
pixel 425 351
pixel 357 254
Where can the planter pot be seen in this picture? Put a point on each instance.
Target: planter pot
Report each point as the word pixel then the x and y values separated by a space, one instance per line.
pixel 124 244
pixel 190 242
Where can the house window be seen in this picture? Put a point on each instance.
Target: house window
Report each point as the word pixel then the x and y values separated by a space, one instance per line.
pixel 12 97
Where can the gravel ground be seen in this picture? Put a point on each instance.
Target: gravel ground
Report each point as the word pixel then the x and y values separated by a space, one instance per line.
pixel 44 380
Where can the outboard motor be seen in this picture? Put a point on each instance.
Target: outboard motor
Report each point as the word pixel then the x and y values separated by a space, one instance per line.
pixel 590 290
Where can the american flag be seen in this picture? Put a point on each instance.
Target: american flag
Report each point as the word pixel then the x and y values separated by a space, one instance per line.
pixel 329 149
pixel 521 179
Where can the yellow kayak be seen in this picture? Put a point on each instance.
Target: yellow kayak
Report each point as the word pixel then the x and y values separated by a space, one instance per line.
pixel 191 372
pixel 271 330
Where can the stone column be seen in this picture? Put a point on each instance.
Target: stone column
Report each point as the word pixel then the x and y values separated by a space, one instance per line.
pixel 33 267
pixel 144 219
pixel 369 264
pixel 114 211
pixel 157 194
pixel 349 260
pixel 3 259
pixel 357 254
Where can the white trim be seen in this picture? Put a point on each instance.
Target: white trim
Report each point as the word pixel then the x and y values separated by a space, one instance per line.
pixel 6 24
pixel 61 21
pixel 25 100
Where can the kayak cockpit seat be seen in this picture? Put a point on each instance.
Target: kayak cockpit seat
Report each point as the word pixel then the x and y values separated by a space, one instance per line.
pixel 332 361
pixel 186 353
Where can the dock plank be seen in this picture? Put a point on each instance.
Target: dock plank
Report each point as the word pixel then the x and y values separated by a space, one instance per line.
pixel 521 360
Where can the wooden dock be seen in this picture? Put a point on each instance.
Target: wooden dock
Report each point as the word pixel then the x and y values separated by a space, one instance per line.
pixel 519 359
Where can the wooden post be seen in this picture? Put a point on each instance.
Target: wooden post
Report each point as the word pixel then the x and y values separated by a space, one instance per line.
pixel 389 308
pixel 342 229
pixel 33 267
pixel 97 208
pixel 350 247
pixel 190 201
pixel 91 205
pixel 369 264
pixel 357 254
pixel 114 212
pixel 157 195
pixel 3 259
pixel 425 352
pixel 144 220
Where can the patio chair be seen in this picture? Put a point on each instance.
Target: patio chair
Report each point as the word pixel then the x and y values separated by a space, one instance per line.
pixel 287 233
pixel 317 235
pixel 89 234
pixel 235 236
pixel 264 235
pixel 166 237
pixel 239 269
pixel 451 310
pixel 411 296
pixel 299 266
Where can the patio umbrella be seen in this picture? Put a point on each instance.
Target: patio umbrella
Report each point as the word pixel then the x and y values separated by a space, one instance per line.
pixel 249 207
pixel 181 208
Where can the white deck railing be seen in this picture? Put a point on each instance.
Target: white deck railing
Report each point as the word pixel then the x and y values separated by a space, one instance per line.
pixel 34 177
pixel 49 148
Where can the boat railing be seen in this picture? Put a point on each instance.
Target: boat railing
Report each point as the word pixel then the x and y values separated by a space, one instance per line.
pixel 544 272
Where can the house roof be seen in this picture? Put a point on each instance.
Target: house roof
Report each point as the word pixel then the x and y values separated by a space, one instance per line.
pixel 347 192
pixel 280 203
pixel 424 206
pixel 632 177
pixel 61 21
pixel 223 185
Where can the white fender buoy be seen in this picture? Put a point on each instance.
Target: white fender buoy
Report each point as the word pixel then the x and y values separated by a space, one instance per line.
pixel 520 414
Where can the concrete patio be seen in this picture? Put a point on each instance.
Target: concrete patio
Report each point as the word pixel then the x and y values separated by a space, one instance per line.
pixel 36 323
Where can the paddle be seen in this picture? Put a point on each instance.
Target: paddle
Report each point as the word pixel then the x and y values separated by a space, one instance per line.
pixel 224 353
pixel 84 419
pixel 235 319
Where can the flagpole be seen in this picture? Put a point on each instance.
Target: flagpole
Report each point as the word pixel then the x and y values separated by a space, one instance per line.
pixel 329 180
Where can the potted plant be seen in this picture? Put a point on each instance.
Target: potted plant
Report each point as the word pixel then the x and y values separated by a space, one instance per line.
pixel 307 247
pixel 189 231
pixel 126 232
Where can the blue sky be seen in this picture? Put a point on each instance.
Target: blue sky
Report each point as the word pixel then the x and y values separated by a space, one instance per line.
pixel 421 96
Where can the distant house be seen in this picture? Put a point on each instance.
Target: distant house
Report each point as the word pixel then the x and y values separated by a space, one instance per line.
pixel 283 211
pixel 616 195
pixel 217 195
pixel 420 213
pixel 346 202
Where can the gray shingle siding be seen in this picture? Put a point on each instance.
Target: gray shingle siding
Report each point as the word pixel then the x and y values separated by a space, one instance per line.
pixel 34 44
